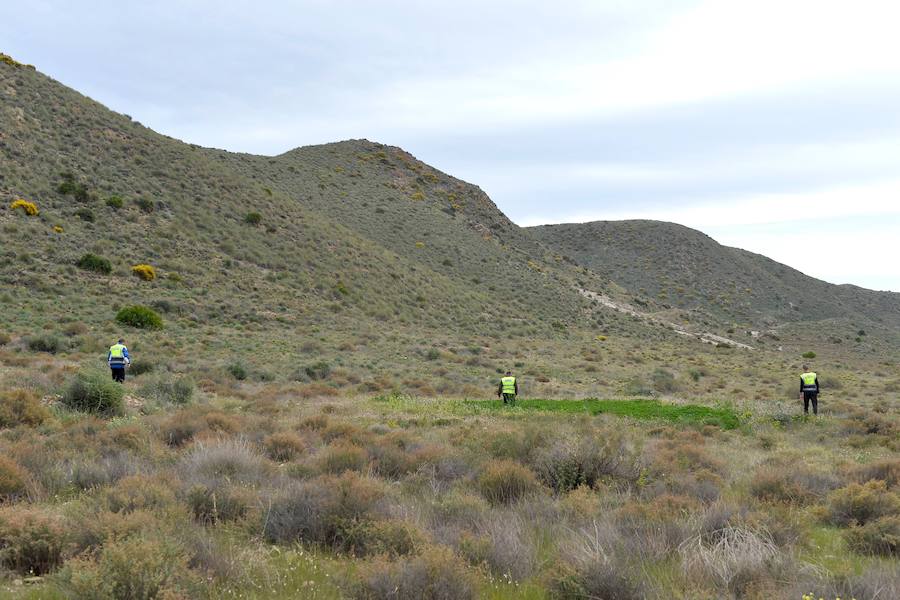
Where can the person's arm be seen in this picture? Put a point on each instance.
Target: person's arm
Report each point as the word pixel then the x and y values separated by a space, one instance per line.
pixel 125 356
pixel 500 389
pixel 517 386
pixel 817 384
pixel 801 385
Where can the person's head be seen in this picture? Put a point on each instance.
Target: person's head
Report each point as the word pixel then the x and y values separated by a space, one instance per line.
pixel 121 341
pixel 806 368
pixel 509 373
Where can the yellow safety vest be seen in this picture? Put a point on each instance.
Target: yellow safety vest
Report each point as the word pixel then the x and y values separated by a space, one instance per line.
pixel 509 385
pixel 809 380
pixel 117 351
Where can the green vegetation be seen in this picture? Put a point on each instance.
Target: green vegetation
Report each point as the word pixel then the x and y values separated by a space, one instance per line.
pixel 94 393
pixel 97 264
pixel 635 409
pixel 142 317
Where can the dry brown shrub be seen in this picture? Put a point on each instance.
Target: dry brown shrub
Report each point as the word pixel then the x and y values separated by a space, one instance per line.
pixel 314 422
pixel 33 541
pixel 284 446
pixel 140 492
pixel 340 457
pixel 13 479
pixel 790 482
pixel 858 504
pixel 219 422
pixel 436 574
pixel 21 407
pixel 317 390
pixel 505 481
pixel 887 470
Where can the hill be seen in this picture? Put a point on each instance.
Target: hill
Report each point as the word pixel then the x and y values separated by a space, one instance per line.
pixel 684 268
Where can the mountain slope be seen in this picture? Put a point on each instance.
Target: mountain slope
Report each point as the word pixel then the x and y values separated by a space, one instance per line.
pixel 687 269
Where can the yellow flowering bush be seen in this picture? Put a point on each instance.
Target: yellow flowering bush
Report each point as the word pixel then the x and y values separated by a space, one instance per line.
pixel 145 272
pixel 30 208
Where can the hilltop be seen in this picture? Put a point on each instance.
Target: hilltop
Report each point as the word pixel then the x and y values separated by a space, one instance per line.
pixel 686 269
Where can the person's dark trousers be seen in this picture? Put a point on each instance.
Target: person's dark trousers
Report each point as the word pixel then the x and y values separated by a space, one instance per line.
pixel 811 397
pixel 509 398
pixel 118 374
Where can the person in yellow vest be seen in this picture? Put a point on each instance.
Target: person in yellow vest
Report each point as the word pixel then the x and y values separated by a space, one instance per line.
pixel 809 390
pixel 118 359
pixel 508 388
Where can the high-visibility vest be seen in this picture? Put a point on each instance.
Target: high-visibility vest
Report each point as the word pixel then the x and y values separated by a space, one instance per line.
pixel 117 354
pixel 809 381
pixel 509 385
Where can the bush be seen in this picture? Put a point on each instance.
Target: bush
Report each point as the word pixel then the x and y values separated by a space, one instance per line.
pixel 237 370
pixel 664 382
pixel 131 568
pixel 881 536
pixel 29 208
pixel 321 510
pixel 165 390
pixel 85 214
pixel 318 371
pixel 95 393
pixel 115 202
pixel 12 479
pixel 144 272
pixel 341 457
pixel 809 354
pixel 790 484
pixel 436 574
pixel 219 504
pixel 887 470
pixel 861 503
pixel 44 343
pixel 5 338
pixel 32 541
pixel 92 262
pixel 141 317
pixel 505 481
pixel 138 492
pixel 21 407
pixel 227 461
pixel 253 218
pixel 145 204
pixel 567 464
pixel 141 367
pixel 284 446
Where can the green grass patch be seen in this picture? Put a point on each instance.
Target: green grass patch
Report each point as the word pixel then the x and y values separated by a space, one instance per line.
pixel 636 409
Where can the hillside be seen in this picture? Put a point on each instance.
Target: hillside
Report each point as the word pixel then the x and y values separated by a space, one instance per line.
pixel 687 269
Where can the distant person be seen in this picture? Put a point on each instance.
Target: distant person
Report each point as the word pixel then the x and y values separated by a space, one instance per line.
pixel 118 359
pixel 508 388
pixel 809 390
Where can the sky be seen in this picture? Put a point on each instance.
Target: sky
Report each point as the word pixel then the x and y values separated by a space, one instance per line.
pixel 771 125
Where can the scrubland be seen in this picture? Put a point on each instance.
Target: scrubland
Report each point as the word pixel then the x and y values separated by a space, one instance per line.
pixel 188 485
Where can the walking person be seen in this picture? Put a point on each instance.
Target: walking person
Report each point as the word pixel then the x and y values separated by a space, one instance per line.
pixel 508 388
pixel 118 359
pixel 809 390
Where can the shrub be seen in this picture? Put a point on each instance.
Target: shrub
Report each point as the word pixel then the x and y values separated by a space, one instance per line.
pixel 341 457
pixel 32 541
pixel 568 464
pixel 29 208
pixel 861 503
pixel 809 354
pixel 321 510
pixel 222 503
pixel 141 317
pixel 318 371
pixel 505 481
pixel 237 370
pixel 436 574
pixel 44 343
pixel 166 390
pixel 790 484
pixel 115 202
pixel 145 204
pixel 231 461
pixel 92 262
pixel 85 214
pixel 887 470
pixel 141 367
pixel 138 492
pixel 253 218
pixel 881 536
pixel 590 568
pixel 132 568
pixel 21 407
pixel 284 446
pixel 12 479
pixel 144 272
pixel 664 381
pixel 729 558
pixel 5 338
pixel 94 393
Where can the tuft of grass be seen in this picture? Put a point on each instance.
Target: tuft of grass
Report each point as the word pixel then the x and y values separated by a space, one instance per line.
pixel 505 481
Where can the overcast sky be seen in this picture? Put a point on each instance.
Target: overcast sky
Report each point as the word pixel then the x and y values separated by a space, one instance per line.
pixel 772 125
